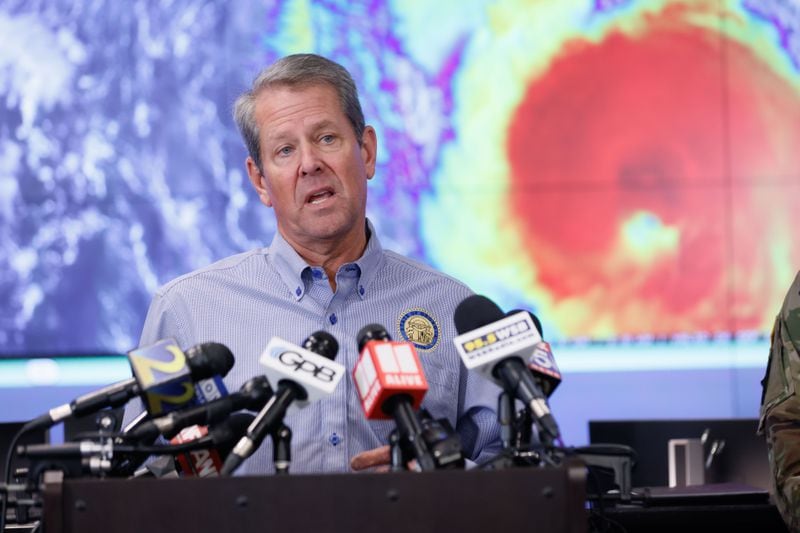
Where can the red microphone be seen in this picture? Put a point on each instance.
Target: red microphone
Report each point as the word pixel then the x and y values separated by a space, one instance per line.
pixel 384 369
pixel 391 384
pixel 207 462
pixel 197 463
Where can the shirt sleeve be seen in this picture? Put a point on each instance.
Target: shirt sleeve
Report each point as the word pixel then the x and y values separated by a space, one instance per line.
pixel 477 424
pixel 780 408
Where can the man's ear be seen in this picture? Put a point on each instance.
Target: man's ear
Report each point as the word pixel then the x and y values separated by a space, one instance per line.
pixel 369 150
pixel 259 182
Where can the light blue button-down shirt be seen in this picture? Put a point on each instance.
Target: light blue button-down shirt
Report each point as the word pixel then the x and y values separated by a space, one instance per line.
pixel 246 299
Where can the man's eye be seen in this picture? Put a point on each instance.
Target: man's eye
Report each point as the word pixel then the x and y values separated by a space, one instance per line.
pixel 327 139
pixel 286 150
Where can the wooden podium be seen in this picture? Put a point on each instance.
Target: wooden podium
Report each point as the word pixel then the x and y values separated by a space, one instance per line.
pixel 524 499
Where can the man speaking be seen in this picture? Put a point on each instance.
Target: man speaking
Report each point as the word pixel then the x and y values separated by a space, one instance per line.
pixel 310 157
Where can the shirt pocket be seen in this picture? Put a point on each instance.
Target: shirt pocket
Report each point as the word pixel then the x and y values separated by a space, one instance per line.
pixel 442 398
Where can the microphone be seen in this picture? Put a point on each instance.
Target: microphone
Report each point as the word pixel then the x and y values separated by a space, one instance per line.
pixel 97 457
pixel 167 377
pixel 252 396
pixel 304 375
pixel 391 384
pixel 491 343
pixel 157 369
pixel 207 462
pixel 543 366
pixel 205 391
pixel 74 459
pixel 443 441
pixel 540 359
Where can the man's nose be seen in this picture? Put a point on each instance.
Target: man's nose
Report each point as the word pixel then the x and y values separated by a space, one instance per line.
pixel 310 162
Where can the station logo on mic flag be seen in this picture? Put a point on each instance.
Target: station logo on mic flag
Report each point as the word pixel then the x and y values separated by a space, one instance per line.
pixel 386 368
pixel 164 376
pixel 208 390
pixel 541 360
pixel 483 346
pixel 197 463
pixel 317 374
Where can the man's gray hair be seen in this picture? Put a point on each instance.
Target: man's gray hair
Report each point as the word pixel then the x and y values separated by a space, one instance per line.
pixel 297 71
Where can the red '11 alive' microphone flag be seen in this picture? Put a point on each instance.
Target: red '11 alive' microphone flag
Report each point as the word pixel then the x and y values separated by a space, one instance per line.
pixel 384 369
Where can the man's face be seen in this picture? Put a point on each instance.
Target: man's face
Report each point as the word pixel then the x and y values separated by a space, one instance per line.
pixel 314 170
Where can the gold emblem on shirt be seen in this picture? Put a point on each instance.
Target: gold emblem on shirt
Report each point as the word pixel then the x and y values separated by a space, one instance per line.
pixel 418 327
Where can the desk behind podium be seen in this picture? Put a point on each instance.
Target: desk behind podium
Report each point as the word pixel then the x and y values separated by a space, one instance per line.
pixel 728 507
pixel 743 459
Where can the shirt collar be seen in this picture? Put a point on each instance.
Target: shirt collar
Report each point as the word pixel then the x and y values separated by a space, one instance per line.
pixel 291 267
pixel 289 264
pixel 370 261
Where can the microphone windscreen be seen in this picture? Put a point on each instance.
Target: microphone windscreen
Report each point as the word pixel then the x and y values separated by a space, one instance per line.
pixel 209 359
pixel 371 332
pixel 322 343
pixel 226 435
pixel 476 311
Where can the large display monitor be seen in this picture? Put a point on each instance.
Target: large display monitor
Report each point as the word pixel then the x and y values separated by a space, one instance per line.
pixel 627 170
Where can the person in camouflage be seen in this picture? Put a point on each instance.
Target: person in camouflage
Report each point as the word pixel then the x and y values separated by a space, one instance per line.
pixel 780 408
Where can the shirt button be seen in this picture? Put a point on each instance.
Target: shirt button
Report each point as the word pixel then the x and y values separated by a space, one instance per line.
pixel 334 439
pixel 361 290
pixel 298 291
pixel 317 273
pixel 333 318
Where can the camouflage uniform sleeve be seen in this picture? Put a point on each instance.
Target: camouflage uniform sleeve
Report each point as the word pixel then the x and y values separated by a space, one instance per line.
pixel 780 408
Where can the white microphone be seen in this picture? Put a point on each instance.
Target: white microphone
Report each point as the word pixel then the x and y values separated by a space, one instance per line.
pixel 491 343
pixel 302 377
pixel 318 375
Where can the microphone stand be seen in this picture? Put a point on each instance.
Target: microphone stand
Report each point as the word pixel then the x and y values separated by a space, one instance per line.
pixel 510 435
pixel 520 448
pixel 282 449
pixel 409 430
pixel 398 460
pixel 505 417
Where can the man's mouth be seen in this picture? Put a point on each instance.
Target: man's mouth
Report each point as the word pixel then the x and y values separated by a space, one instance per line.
pixel 319 197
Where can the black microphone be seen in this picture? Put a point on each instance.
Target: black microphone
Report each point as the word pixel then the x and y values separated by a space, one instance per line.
pixel 97 457
pixel 303 375
pixel 442 440
pixel 491 343
pixel 252 396
pixel 199 362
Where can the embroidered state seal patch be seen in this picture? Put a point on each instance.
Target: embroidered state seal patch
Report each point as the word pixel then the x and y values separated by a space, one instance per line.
pixel 418 327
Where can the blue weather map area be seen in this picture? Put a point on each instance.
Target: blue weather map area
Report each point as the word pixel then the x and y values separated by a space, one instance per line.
pixel 120 165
